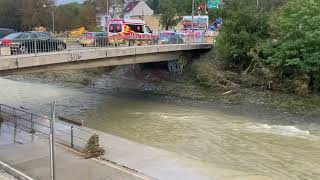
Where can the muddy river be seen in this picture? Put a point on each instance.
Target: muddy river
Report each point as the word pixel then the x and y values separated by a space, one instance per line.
pixel 260 147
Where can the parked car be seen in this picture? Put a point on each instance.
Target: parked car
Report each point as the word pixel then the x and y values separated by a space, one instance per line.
pixel 32 42
pixel 5 32
pixel 171 37
pixel 93 39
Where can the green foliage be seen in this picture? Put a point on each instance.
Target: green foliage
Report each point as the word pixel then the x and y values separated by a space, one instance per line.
pixel 244 27
pixel 27 14
pixel 33 14
pixel 68 17
pixel 155 5
pixel 169 16
pixel 88 16
pixel 9 14
pixel 294 49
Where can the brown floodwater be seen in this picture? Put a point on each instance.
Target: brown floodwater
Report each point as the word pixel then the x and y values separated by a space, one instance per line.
pixel 218 141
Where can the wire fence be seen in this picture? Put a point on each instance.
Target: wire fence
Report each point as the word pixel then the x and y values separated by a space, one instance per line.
pixel 67 134
pixel 36 46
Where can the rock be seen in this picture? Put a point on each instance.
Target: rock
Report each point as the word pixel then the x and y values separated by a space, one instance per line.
pixel 93 149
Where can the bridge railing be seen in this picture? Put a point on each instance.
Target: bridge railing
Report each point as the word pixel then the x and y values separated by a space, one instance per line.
pixel 67 134
pixel 37 46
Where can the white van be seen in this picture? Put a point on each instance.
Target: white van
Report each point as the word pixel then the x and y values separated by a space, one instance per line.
pixel 131 30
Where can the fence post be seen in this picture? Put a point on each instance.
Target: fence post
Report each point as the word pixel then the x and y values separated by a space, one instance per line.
pixel 72 144
pixel 52 145
pixel 32 125
pixel 35 47
pixel 14 117
pixel 15 125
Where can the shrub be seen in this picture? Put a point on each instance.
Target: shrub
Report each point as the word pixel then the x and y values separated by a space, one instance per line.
pixel 294 48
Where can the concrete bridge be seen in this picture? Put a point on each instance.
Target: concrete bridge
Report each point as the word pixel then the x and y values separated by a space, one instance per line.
pixel 96 57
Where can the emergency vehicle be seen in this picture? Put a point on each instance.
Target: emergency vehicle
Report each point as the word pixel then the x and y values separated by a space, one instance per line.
pixel 131 32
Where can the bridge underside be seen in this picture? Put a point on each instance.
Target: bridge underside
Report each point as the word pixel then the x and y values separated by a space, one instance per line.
pixel 94 58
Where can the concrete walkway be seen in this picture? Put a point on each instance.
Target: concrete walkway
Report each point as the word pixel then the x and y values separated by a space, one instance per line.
pixel 6 176
pixel 32 158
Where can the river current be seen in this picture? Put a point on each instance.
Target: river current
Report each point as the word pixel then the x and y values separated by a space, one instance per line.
pixel 213 138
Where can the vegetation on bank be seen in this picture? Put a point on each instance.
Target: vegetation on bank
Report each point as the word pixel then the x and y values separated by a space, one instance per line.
pixel 275 45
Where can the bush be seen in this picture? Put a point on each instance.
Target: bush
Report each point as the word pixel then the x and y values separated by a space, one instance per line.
pixel 294 48
pixel 245 25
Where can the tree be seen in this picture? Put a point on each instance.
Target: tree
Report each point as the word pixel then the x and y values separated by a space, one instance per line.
pixel 244 27
pixel 9 14
pixel 68 17
pixel 294 49
pixel 169 15
pixel 88 16
pixel 33 13
pixel 155 5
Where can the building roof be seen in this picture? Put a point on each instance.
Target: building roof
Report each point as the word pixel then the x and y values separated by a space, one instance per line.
pixel 130 6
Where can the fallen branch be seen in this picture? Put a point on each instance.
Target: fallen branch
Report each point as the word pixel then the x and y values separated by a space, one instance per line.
pixel 72 121
pixel 228 92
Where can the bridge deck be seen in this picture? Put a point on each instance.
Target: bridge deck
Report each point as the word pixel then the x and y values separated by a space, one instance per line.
pixel 95 57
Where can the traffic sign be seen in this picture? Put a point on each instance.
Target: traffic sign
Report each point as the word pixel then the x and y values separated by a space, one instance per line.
pixel 212 4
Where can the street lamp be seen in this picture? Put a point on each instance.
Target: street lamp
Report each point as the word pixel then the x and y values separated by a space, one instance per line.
pixel 107 29
pixel 52 14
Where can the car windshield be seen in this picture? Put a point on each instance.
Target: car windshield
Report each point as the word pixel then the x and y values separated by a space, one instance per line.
pixel 14 36
pixel 100 34
pixel 43 35
pixel 137 28
pixel 89 34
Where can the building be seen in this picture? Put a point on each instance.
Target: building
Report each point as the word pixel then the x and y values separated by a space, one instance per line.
pixel 133 9
pixel 137 8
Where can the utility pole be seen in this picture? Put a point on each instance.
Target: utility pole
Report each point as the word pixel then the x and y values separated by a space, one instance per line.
pixel 52 13
pixel 52 6
pixel 52 145
pixel 107 18
pixel 192 21
pixel 53 19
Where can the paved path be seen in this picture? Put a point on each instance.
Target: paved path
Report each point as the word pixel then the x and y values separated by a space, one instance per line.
pixel 31 157
pixel 6 176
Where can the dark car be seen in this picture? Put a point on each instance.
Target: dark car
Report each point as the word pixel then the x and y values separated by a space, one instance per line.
pixel 5 32
pixel 32 42
pixel 94 39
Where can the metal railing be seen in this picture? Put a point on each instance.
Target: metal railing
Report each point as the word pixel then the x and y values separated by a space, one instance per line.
pixel 36 46
pixel 67 134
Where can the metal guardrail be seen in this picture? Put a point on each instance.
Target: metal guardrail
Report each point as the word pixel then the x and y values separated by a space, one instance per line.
pixel 66 134
pixel 36 46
